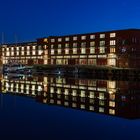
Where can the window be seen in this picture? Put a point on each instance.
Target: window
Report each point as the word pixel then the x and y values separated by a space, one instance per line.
pixel 17 48
pixel 111 104
pixel 52 46
pixel 22 48
pixel 59 51
pixel 92 44
pixel 28 53
pixel 52 51
pixel 22 52
pixel 112 34
pixel 34 47
pixel 74 50
pixel 28 47
pixel 52 40
pixel 92 50
pixel 102 35
pixel 83 44
pixel 12 53
pixel 17 52
pixel 33 52
pixel 112 50
pixel 92 36
pixel 74 44
pixel 75 38
pixel 59 45
pixel 59 39
pixel 112 42
pixel 66 45
pixel 83 50
pixel 40 52
pixel 66 51
pixel 67 39
pixel 83 37
pixel 12 48
pixel 102 49
pixel 102 43
pixel 8 53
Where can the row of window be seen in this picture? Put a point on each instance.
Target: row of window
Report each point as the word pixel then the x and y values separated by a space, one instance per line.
pixel 22 48
pixel 84 44
pixel 23 53
pixel 84 37
pixel 83 50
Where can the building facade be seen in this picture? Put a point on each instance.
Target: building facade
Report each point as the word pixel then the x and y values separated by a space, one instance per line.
pixel 118 48
pixel 28 53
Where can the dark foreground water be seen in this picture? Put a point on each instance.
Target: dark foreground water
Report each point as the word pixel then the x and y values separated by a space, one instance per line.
pixel 55 108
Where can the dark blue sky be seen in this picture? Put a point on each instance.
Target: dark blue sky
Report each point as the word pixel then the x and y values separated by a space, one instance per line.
pixel 31 19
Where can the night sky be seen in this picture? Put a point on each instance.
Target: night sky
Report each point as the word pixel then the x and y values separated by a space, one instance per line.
pixel 31 19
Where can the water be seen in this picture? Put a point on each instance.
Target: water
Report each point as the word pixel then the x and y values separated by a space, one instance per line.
pixel 54 108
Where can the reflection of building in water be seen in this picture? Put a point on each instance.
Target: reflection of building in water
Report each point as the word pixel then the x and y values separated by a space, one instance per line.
pixel 101 96
pixel 26 87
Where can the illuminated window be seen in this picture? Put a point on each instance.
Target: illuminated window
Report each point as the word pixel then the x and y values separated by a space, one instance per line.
pixel 82 106
pixel 74 44
pixel 51 90
pixel 59 90
pixel 67 45
pixel 8 53
pixel 66 92
pixel 91 94
pixel 74 50
pixel 112 34
pixel 75 38
pixel 83 44
pixel 83 50
pixel 101 109
pixel 101 96
pixel 111 104
pixel 102 35
pixel 83 37
pixel 12 48
pixel 74 92
pixel 17 48
pixel 12 53
pixel 7 49
pixel 112 50
pixel 82 93
pixel 92 44
pixel 111 84
pixel 59 39
pixel 59 45
pixel 59 51
pixel 22 48
pixel 22 52
pixel 112 111
pixel 17 52
pixel 40 52
pixel 91 108
pixel 33 52
pixel 28 53
pixel 34 47
pixel 112 42
pixel 66 51
pixel 52 45
pixel 28 47
pixel 67 39
pixel 102 43
pixel 92 50
pixel 102 49
pixel 92 36
pixel 52 40
pixel 52 51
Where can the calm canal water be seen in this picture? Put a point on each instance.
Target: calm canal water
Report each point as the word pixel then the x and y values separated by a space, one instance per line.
pixel 58 108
